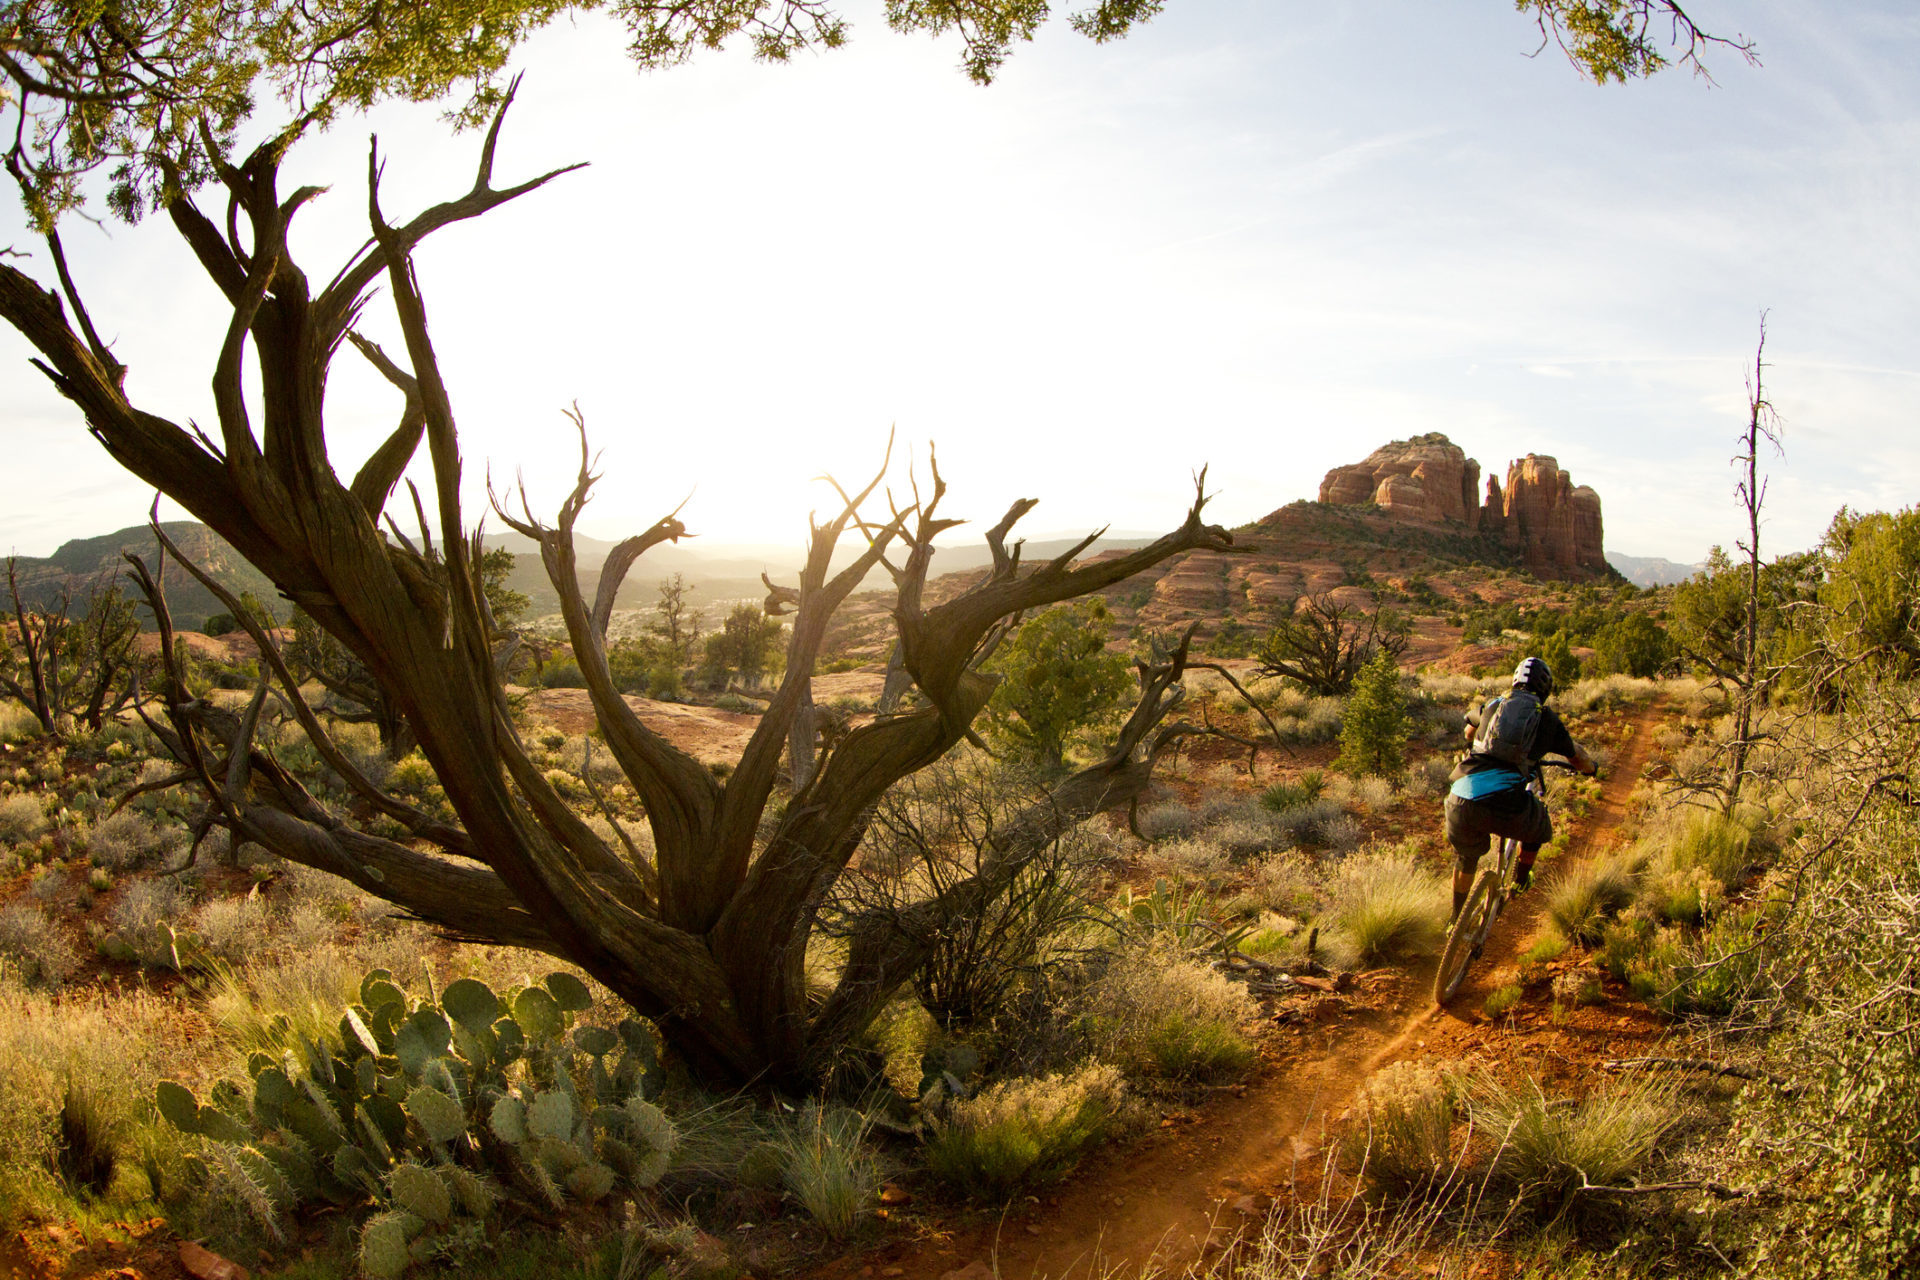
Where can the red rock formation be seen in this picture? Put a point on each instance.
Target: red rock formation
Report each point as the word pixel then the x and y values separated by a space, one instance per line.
pixel 1429 480
pixel 1554 525
pixel 1425 480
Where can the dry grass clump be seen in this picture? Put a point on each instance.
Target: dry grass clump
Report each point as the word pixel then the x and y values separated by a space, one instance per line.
pixel 21 819
pixel 1582 901
pixel 1021 1132
pixel 1601 693
pixel 94 1060
pixel 128 841
pixel 1400 1140
pixel 1388 905
pixel 825 1166
pixel 17 723
pixel 1319 824
pixel 1550 1150
pixel 232 929
pixel 1161 1014
pixel 32 945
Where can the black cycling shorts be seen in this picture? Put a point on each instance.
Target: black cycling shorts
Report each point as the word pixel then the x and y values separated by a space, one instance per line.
pixel 1472 823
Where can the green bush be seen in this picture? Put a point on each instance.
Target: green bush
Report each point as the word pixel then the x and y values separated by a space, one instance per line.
pixel 1161 1014
pixel 1502 1000
pixel 1282 797
pixel 1373 724
pixel 562 673
pixel 1022 1132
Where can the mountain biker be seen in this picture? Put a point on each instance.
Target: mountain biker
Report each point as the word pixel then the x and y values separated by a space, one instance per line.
pixel 1489 796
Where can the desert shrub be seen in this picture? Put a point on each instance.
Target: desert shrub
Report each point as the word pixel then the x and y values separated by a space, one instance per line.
pixel 32 944
pixel 1375 793
pixel 1195 855
pixel 143 922
pixel 17 724
pixel 1550 945
pixel 1388 906
pixel 1319 824
pixel 1310 721
pixel 1582 900
pixel 232 929
pixel 1601 693
pixel 1018 1133
pixel 129 841
pixel 1158 822
pixel 1161 1014
pixel 1243 835
pixel 21 818
pixel 825 1166
pixel 1284 796
pixel 664 682
pixel 1286 883
pixel 1547 1151
pixel 1400 1137
pixel 1502 999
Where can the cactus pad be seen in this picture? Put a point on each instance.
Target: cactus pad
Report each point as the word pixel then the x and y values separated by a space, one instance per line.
pixel 570 992
pixel 383 1243
pixel 470 1003
pixel 551 1116
pixel 509 1120
pixel 597 1041
pixel 177 1105
pixel 590 1182
pixel 438 1115
pixel 420 1192
pixel 538 1014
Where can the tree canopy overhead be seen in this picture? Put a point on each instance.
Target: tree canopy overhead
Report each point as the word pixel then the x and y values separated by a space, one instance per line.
pixel 154 92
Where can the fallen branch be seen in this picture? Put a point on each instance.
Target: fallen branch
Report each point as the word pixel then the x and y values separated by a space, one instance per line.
pixel 1701 1065
pixel 1718 1190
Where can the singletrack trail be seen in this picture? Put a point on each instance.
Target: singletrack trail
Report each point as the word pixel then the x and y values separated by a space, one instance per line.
pixel 1209 1171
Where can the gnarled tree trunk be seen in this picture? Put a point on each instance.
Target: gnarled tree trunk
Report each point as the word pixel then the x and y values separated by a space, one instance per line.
pixel 709 938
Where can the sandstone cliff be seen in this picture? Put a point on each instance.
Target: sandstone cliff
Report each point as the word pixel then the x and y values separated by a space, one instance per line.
pixel 1539 513
pixel 1425 480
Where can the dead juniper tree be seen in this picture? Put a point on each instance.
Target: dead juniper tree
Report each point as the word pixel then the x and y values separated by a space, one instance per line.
pixel 708 937
pixel 67 660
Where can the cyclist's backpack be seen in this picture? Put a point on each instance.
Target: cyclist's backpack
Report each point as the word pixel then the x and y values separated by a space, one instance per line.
pixel 1508 727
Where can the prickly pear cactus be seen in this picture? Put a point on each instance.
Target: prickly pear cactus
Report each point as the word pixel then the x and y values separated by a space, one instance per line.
pixel 419 1102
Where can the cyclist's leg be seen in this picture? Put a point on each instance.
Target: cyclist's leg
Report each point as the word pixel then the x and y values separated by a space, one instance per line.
pixel 1467 832
pixel 1535 829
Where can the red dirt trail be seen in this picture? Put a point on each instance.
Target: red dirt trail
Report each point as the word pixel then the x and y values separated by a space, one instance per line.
pixel 1208 1171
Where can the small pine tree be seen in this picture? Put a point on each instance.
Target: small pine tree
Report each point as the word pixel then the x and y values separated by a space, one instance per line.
pixel 1373 724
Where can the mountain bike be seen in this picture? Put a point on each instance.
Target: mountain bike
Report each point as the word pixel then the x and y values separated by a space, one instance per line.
pixel 1488 897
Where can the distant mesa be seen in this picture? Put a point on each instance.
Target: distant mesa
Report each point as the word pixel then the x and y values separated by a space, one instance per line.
pixel 1429 480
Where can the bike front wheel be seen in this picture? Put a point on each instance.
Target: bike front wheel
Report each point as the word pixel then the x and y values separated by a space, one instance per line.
pixel 1469 929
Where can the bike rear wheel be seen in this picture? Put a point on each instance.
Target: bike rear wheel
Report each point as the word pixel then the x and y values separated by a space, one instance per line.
pixel 1470 929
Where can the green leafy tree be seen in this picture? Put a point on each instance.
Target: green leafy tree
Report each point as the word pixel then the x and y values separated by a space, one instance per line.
pixel 1058 681
pixel 747 645
pixel 1633 644
pixel 1373 723
pixel 1870 598
pixel 1558 655
pixel 496 576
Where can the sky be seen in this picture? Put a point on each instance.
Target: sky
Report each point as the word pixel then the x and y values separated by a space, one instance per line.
pixel 1263 238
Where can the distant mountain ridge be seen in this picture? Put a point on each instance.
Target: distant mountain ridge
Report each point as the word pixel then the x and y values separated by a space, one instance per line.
pixel 1651 571
pixel 78 564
